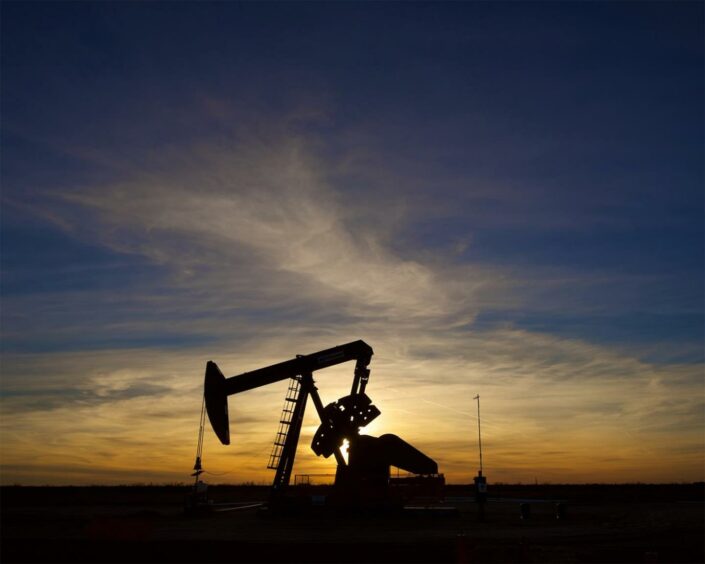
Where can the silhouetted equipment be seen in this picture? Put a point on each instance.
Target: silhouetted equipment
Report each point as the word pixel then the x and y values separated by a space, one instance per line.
pixel 480 480
pixel 480 494
pixel 365 478
pixel 561 510
pixel 524 511
pixel 480 488
pixel 199 494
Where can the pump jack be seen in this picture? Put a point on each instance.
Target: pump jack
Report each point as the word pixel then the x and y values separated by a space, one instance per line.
pixel 365 479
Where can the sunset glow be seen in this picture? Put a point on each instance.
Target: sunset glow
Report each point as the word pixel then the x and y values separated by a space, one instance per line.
pixel 495 211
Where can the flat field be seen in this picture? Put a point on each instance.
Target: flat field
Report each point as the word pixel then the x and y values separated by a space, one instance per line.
pixel 603 523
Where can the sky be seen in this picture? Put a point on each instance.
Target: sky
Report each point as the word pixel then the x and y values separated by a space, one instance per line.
pixel 503 199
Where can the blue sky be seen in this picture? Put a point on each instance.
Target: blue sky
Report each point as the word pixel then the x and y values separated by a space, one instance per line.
pixel 513 189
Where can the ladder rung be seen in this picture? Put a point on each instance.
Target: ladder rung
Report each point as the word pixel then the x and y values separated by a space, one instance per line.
pixel 285 422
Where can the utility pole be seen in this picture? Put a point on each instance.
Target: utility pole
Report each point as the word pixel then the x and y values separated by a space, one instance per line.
pixel 479 433
pixel 480 480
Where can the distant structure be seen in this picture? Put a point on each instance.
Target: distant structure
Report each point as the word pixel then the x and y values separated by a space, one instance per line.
pixel 480 480
pixel 479 432
pixel 364 480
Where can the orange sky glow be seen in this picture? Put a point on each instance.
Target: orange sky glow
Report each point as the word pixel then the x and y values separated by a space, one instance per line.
pixel 500 198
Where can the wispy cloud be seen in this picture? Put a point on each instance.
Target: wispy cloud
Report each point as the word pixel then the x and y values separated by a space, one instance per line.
pixel 265 214
pixel 260 251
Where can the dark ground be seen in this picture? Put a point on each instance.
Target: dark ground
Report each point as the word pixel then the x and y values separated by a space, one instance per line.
pixel 620 523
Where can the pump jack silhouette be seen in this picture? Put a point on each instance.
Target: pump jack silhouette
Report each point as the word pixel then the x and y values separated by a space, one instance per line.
pixel 364 481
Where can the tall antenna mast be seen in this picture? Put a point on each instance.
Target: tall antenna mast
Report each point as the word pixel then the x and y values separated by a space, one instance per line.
pixel 479 434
